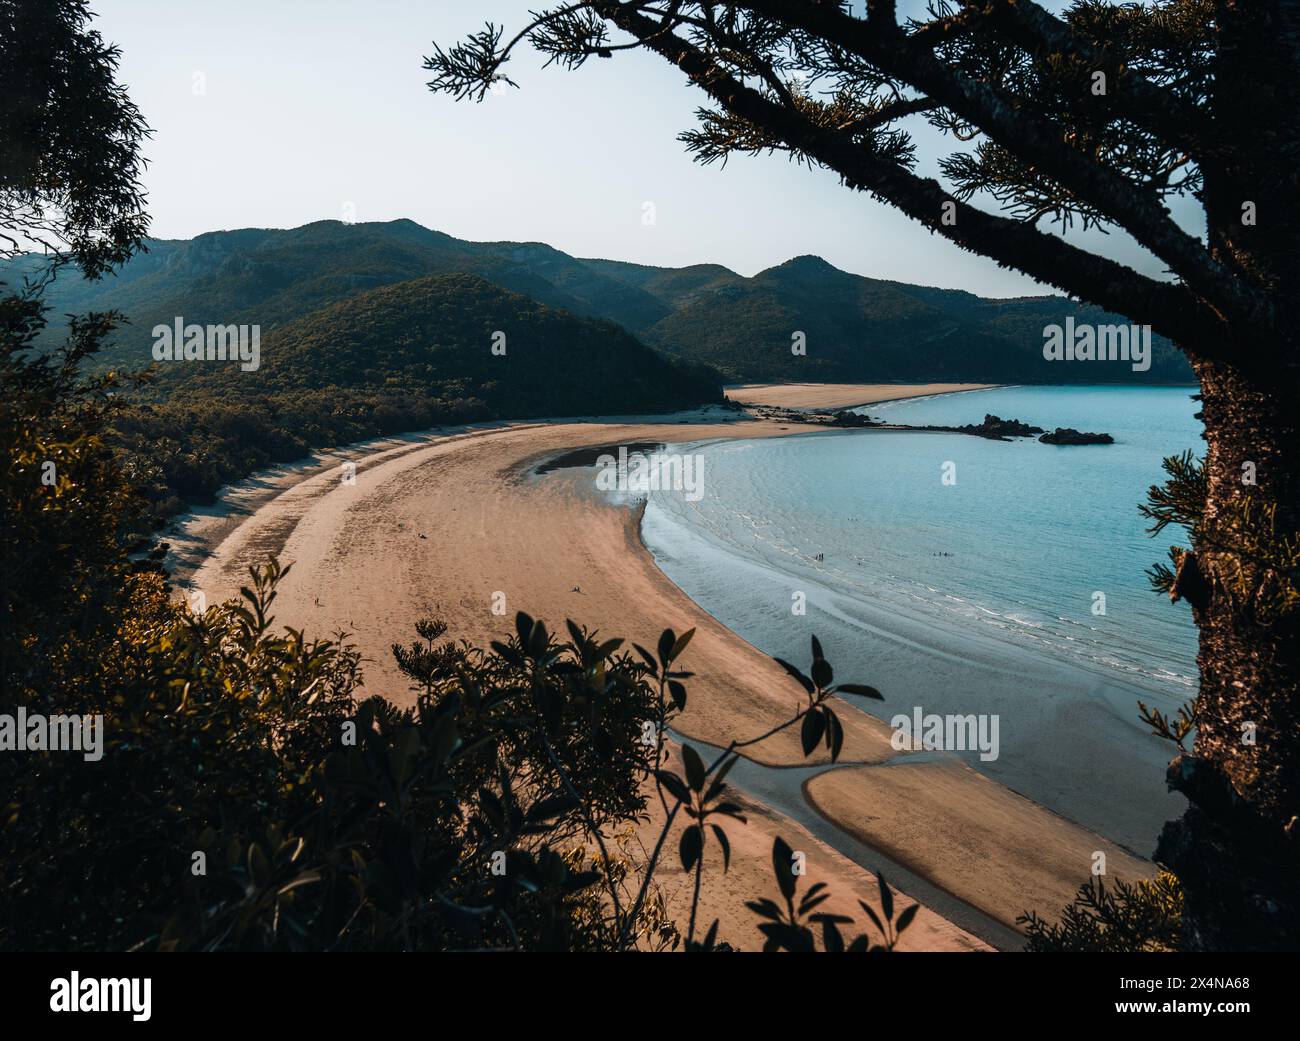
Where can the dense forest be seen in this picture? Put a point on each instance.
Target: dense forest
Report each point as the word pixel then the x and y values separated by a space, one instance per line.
pixel 443 349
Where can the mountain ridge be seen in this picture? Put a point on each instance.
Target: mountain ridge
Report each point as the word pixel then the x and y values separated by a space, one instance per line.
pixel 856 328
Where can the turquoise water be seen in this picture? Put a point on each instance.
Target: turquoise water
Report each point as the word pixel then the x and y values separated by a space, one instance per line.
pixel 976 596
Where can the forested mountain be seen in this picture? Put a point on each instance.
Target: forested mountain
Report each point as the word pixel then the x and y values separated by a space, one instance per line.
pixel 856 328
pixel 404 357
pixel 268 277
pixel 860 329
pixel 455 338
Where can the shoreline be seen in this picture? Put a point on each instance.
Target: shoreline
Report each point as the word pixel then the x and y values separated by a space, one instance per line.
pixel 456 515
pixel 823 397
pixel 918 656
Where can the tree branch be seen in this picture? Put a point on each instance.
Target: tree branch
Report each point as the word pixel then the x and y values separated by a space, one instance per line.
pixel 1035 139
pixel 1166 307
pixel 1149 105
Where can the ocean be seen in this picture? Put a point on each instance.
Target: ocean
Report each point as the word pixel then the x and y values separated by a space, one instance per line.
pixel 960 575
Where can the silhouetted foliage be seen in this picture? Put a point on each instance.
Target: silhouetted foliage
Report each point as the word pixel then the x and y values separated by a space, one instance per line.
pixel 70 162
pixel 1129 918
pixel 67 509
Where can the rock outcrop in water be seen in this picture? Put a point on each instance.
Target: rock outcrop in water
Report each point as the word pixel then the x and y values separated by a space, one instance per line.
pixel 994 428
pixel 1070 436
pixel 1001 429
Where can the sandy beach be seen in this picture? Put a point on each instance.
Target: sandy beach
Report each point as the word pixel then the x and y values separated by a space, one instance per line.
pixel 445 523
pixel 839 395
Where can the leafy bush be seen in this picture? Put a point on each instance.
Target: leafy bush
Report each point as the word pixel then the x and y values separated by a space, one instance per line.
pixel 1144 916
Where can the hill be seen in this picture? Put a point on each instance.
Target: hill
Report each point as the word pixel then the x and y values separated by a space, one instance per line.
pixel 857 329
pixel 269 277
pixel 456 337
pixel 865 330
pixel 409 356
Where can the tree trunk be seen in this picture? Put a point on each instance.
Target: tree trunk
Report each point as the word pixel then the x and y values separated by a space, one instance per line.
pixel 1237 848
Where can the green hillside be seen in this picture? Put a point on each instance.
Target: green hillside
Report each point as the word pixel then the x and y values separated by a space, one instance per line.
pixel 869 330
pixel 404 357
pixel 434 336
pixel 857 329
pixel 270 277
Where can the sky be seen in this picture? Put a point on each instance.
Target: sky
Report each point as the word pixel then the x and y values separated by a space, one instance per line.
pixel 276 113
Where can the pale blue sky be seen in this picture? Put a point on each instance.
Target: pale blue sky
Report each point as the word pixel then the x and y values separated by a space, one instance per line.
pixel 309 105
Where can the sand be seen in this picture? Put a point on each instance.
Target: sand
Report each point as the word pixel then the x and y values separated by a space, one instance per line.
pixel 447 525
pixel 839 395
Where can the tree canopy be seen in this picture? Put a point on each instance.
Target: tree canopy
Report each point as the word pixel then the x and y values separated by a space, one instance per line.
pixel 71 164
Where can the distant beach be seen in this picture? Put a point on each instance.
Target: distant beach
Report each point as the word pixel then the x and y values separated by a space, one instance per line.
pixel 840 395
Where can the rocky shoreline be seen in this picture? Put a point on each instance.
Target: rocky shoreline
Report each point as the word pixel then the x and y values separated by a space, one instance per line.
pixel 993 428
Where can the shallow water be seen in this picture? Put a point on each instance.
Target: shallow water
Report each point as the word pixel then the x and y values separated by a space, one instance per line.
pixel 975 596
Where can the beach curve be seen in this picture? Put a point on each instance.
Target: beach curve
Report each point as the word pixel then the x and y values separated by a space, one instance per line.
pixel 440 524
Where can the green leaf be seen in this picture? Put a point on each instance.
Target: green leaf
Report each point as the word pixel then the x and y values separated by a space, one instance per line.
pixel 258 867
